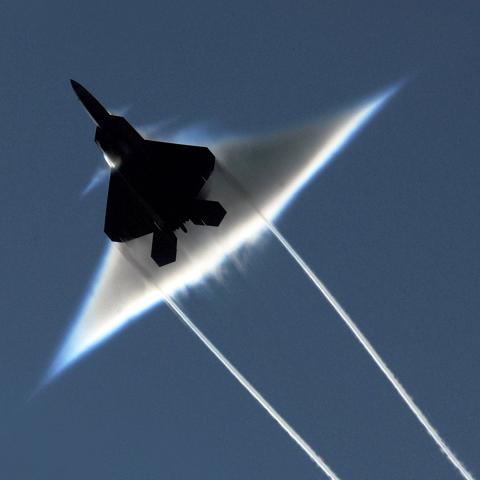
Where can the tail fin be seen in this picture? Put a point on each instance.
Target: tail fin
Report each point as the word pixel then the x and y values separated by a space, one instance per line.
pixel 164 247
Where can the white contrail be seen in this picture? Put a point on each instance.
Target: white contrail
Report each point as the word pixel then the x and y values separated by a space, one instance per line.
pixel 241 379
pixel 253 391
pixel 373 353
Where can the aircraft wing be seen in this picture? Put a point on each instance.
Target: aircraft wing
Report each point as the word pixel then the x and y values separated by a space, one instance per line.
pixel 125 217
pixel 186 167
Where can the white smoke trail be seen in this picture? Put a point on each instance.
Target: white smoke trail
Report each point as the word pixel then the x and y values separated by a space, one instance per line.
pixel 238 376
pixel 373 354
pixel 253 391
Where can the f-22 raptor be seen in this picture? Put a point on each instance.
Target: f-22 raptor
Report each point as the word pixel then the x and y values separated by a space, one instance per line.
pixel 154 186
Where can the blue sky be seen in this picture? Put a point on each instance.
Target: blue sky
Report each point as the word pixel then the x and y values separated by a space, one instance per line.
pixel 391 226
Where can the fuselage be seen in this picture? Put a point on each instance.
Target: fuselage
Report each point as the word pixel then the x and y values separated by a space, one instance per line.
pixel 130 157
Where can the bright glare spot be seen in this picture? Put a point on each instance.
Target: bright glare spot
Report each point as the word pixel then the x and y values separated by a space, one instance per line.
pixel 112 164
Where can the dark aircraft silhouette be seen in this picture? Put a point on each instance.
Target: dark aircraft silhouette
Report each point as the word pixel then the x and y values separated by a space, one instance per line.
pixel 154 186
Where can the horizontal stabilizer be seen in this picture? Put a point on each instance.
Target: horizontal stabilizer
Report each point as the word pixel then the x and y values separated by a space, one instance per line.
pixel 207 212
pixel 164 248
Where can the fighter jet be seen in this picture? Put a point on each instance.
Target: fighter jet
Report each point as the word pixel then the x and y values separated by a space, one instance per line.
pixel 154 186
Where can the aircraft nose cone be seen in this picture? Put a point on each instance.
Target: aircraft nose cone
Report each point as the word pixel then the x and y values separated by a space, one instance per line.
pixel 82 93
pixel 91 104
pixel 75 85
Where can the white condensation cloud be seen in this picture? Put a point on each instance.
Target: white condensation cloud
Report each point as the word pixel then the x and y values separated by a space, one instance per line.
pixel 252 175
